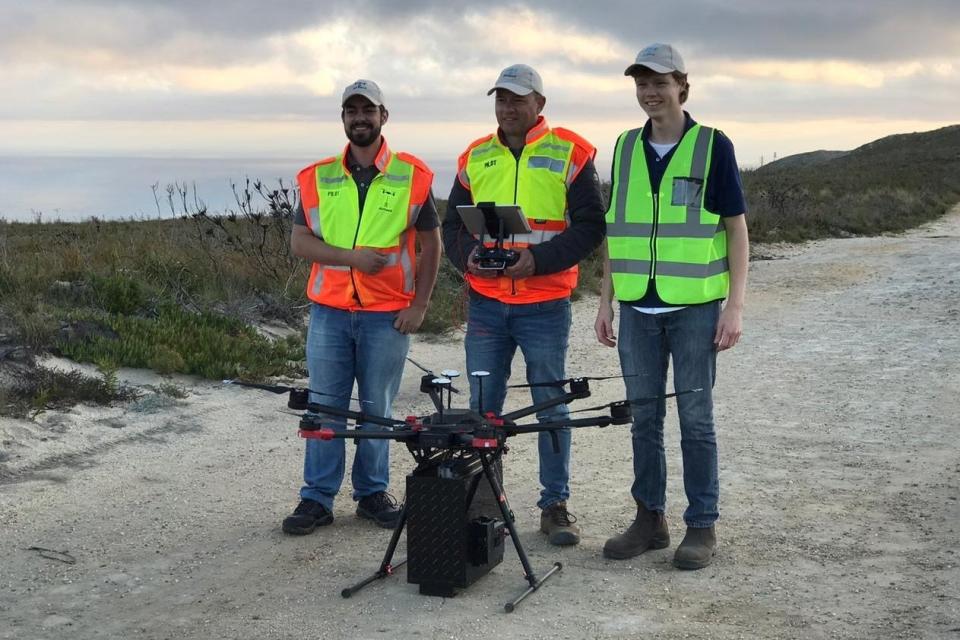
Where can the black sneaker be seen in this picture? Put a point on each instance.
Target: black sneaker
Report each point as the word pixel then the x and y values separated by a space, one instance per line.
pixel 308 515
pixel 381 507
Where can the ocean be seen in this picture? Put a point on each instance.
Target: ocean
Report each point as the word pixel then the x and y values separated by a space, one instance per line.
pixel 76 188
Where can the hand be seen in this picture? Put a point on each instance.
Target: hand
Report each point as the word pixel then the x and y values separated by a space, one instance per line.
pixel 368 261
pixel 729 328
pixel 522 268
pixel 474 269
pixel 604 326
pixel 409 320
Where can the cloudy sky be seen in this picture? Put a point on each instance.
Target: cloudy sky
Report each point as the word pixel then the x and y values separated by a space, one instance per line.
pixel 190 78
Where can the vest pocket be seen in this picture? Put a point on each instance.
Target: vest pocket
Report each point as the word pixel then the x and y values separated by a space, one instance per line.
pixel 686 192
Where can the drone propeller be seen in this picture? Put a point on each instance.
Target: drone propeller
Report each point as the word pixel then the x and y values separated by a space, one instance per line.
pixel 566 381
pixel 418 366
pixel 609 405
pixel 638 400
pixel 665 396
pixel 279 388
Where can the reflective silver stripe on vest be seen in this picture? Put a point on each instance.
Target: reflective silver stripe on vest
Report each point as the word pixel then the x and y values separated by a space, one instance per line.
pixel 619 225
pixel 698 170
pixel 486 148
pixel 545 162
pixel 394 177
pixel 555 147
pixel 412 214
pixel 687 229
pixel 572 173
pixel 685 270
pixel 334 180
pixel 318 281
pixel 624 265
pixel 681 269
pixel 313 218
pixel 392 259
pixel 537 236
pixel 406 263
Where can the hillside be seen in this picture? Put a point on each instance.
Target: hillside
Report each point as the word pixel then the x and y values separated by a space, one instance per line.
pixel 887 185
pixel 806 159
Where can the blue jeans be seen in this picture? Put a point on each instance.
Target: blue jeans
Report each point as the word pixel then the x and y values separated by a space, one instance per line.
pixel 343 346
pixel 646 343
pixel 541 330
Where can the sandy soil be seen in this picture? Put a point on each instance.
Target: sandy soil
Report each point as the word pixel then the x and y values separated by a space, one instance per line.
pixel 840 475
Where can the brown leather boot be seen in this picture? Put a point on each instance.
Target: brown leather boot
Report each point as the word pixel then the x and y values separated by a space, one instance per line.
pixel 697 549
pixel 559 525
pixel 648 531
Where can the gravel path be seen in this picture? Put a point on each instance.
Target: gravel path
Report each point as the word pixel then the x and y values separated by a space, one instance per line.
pixel 840 477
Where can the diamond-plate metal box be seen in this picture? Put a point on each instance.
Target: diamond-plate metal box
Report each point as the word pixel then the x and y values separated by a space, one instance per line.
pixel 455 531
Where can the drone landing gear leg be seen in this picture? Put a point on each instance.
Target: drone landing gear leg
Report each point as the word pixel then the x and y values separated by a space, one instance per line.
pixel 528 573
pixel 386 568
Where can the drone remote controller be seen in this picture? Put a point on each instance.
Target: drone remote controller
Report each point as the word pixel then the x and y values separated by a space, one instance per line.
pixel 495 258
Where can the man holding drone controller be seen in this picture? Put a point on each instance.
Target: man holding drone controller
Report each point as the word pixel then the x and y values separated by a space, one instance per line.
pixel 361 214
pixel 549 173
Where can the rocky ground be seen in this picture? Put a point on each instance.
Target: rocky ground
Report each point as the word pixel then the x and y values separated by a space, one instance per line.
pixel 840 475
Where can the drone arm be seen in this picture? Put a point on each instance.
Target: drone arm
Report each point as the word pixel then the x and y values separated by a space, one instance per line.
pixel 329 433
pixel 547 404
pixel 357 416
pixel 599 421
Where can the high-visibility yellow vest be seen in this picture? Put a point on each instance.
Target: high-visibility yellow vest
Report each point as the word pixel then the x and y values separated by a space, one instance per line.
pixel 331 206
pixel 668 235
pixel 538 181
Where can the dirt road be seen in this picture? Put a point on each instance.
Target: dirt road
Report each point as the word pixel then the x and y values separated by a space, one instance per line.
pixel 840 478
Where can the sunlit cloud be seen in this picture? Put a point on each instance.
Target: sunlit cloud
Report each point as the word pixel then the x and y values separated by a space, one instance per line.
pixel 149 75
pixel 543 36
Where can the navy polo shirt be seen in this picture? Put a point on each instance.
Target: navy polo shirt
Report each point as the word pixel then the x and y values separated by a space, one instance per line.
pixel 724 194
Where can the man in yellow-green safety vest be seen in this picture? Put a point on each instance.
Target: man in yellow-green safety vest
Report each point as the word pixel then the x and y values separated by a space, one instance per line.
pixel 549 172
pixel 361 214
pixel 676 247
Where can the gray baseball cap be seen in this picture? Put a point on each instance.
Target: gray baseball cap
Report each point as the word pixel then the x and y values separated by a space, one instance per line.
pixel 366 88
pixel 520 79
pixel 662 58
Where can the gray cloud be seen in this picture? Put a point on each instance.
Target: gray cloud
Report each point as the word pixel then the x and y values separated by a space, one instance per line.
pixel 205 32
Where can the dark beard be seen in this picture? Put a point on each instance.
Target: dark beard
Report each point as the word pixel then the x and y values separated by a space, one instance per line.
pixel 363 139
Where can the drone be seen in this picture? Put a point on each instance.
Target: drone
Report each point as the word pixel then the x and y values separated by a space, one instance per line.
pixel 456 526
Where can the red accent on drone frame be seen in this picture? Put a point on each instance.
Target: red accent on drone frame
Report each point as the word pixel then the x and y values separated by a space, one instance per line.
pixel 325 433
pixel 484 443
pixel 493 419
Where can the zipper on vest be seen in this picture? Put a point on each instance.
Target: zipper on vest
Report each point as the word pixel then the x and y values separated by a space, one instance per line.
pixel 356 234
pixel 653 236
pixel 516 191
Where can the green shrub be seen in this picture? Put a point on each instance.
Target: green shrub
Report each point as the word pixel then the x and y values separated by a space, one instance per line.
pixel 44 389
pixel 177 341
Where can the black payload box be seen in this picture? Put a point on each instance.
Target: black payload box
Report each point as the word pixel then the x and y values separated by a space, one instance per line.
pixel 455 531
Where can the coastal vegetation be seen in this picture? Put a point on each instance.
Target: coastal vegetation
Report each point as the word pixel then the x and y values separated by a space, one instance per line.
pixel 887 186
pixel 221 296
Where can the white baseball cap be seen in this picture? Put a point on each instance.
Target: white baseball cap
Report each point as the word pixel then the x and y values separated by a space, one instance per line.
pixel 366 88
pixel 520 79
pixel 662 58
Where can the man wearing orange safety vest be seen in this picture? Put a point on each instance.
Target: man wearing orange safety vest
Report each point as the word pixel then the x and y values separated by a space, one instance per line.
pixel 549 172
pixel 361 214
